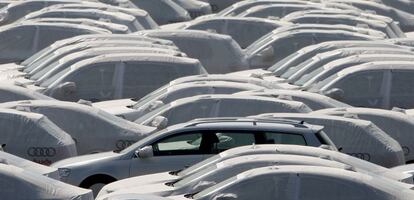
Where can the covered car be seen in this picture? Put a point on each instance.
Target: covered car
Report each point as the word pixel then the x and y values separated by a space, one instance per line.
pixel 304 182
pixel 15 10
pixel 132 109
pixel 11 92
pixel 313 100
pixel 381 84
pixel 85 123
pixel 395 124
pixel 356 137
pixel 239 28
pixel 223 170
pixel 195 8
pixel 207 106
pixel 115 17
pixel 22 40
pixel 10 159
pixel 277 10
pixel 163 11
pixel 268 50
pixel 125 75
pixel 44 53
pixel 143 18
pixel 262 149
pixel 335 66
pixel 218 53
pixel 34 137
pixel 36 186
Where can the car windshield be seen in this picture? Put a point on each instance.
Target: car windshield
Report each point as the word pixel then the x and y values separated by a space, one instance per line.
pixel 143 141
pixel 294 69
pixel 195 176
pixel 35 64
pixel 259 44
pixel 193 168
pixel 215 187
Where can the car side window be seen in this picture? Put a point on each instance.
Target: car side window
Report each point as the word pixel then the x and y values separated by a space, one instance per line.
pixel 315 188
pixel 402 92
pixel 95 83
pixel 49 35
pixel 185 144
pixel 228 140
pixel 284 138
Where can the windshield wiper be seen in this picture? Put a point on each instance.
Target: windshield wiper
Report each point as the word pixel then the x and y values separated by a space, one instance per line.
pixel 175 173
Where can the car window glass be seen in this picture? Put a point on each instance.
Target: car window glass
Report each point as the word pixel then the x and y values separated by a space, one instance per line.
pixel 230 140
pixel 284 138
pixel 362 84
pixel 402 90
pixel 185 144
pixel 49 35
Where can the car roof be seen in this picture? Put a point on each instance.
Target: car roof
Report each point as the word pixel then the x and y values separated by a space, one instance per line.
pixel 378 65
pixel 185 33
pixel 62 25
pixel 140 57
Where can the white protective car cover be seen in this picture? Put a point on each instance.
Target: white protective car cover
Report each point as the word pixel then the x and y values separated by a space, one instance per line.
pixel 130 196
pixel 132 109
pixel 396 124
pixel 143 18
pixel 208 106
pixel 163 11
pixel 9 92
pixel 374 98
pixel 34 137
pixel 307 181
pixel 218 53
pixel 298 150
pixel 312 50
pixel 85 124
pixel 257 150
pixel 28 185
pixel 359 138
pixel 11 159
pixel 179 65
pixel 17 40
pixel 315 101
pixel 195 8
pixel 90 38
pixel 239 28
pixel 115 17
pixel 223 170
pixel 408 169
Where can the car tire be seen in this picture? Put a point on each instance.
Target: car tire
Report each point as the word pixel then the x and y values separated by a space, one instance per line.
pixel 96 182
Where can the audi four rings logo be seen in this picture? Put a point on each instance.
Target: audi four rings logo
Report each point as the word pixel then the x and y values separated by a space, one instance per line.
pixel 363 156
pixel 41 151
pixel 122 144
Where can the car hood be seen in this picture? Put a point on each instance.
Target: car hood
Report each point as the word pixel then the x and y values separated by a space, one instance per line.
pixel 157 178
pixel 10 66
pixel 159 189
pixel 80 160
pixel 114 103
pixel 250 72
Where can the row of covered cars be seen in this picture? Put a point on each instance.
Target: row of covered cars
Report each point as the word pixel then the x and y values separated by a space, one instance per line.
pixel 265 99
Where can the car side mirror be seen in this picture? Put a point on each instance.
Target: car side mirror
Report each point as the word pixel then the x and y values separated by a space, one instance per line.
pixel 335 93
pixel 67 88
pixel 226 196
pixel 144 152
pixel 159 122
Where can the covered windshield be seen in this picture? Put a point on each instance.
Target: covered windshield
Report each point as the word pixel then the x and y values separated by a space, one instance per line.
pixel 151 97
pixel 317 87
pixel 305 78
pixel 52 79
pixel 282 62
pixel 215 187
pixel 191 169
pixel 35 56
pixel 195 176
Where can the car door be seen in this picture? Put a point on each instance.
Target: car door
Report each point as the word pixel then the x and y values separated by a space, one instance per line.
pixel 95 82
pixel 174 152
pixel 365 88
pixel 17 43
pixel 402 90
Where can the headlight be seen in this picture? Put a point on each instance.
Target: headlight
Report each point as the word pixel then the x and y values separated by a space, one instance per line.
pixel 64 172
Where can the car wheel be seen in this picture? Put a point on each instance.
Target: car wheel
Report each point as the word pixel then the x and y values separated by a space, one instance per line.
pixel 96 182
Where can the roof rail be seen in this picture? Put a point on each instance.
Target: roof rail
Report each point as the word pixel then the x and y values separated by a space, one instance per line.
pixel 255 120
